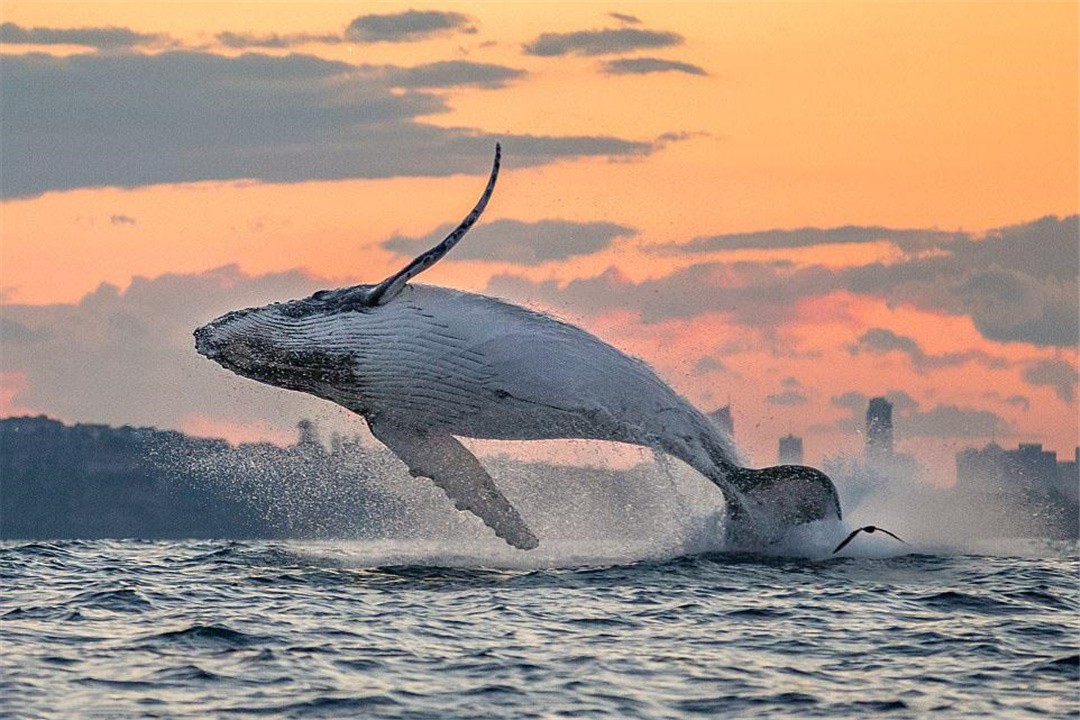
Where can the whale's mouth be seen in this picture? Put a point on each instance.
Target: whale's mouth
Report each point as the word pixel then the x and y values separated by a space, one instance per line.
pixel 204 343
pixel 235 354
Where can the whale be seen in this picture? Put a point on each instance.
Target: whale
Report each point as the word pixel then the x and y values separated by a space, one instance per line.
pixel 425 366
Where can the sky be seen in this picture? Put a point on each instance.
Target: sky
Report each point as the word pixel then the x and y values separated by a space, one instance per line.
pixel 788 207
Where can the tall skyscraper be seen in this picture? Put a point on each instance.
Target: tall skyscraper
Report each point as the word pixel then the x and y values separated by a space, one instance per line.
pixel 879 430
pixel 791 450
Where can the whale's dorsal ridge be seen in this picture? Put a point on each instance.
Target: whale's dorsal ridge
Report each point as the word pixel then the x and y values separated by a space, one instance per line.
pixel 389 288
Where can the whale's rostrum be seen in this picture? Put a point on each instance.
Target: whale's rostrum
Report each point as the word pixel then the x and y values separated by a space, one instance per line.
pixel 426 365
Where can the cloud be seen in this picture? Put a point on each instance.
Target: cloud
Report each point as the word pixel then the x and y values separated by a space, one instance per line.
pixel 239 40
pixel 644 66
pixel 907 240
pixel 1017 284
pixel 514 241
pixel 12 331
pixel 752 294
pixel 1057 374
pixel 128 120
pixel 408 26
pixel 1018 401
pixel 910 420
pixel 121 220
pixel 793 393
pixel 788 397
pixel 453 73
pixel 600 42
pixel 951 421
pixel 624 18
pixel 128 356
pixel 709 364
pixel 1009 295
pixel 882 341
pixel 101 38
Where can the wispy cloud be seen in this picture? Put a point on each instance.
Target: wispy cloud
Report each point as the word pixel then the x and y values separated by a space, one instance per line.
pixel 787 397
pixel 624 18
pixel 644 66
pixel 909 240
pixel 523 243
pixel 452 73
pixel 1057 374
pixel 408 26
pixel 240 40
pixel 883 340
pixel 609 41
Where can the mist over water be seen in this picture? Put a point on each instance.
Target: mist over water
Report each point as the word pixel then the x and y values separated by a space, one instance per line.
pixel 626 505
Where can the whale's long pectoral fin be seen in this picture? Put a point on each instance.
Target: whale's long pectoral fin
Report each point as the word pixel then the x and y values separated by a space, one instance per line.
pixel 457 471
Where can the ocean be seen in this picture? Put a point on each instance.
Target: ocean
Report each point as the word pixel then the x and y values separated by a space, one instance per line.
pixel 419 629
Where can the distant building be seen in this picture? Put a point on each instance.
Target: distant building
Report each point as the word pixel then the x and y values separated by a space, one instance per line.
pixel 879 430
pixel 1069 470
pixel 723 420
pixel 95 481
pixel 791 450
pixel 1033 490
pixel 1026 470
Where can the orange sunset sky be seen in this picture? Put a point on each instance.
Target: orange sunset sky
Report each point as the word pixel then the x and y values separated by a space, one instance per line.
pixel 788 206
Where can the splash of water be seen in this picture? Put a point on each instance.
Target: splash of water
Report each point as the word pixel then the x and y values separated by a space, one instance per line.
pixel 362 507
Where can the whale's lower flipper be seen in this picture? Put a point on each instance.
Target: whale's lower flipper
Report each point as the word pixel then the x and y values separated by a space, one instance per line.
pixel 457 471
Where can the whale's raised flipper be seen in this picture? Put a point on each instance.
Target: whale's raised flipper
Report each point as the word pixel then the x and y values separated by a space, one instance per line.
pixel 389 288
pixel 457 471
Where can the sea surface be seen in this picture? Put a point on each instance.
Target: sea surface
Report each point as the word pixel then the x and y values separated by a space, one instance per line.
pixel 115 629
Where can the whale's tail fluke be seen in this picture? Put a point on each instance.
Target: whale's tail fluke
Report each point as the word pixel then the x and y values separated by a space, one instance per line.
pixel 774 500
pixel 762 504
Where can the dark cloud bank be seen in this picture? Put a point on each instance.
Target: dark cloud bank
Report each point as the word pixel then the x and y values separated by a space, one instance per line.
pixel 131 119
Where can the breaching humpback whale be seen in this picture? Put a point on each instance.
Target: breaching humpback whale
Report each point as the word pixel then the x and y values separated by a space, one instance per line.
pixel 426 365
